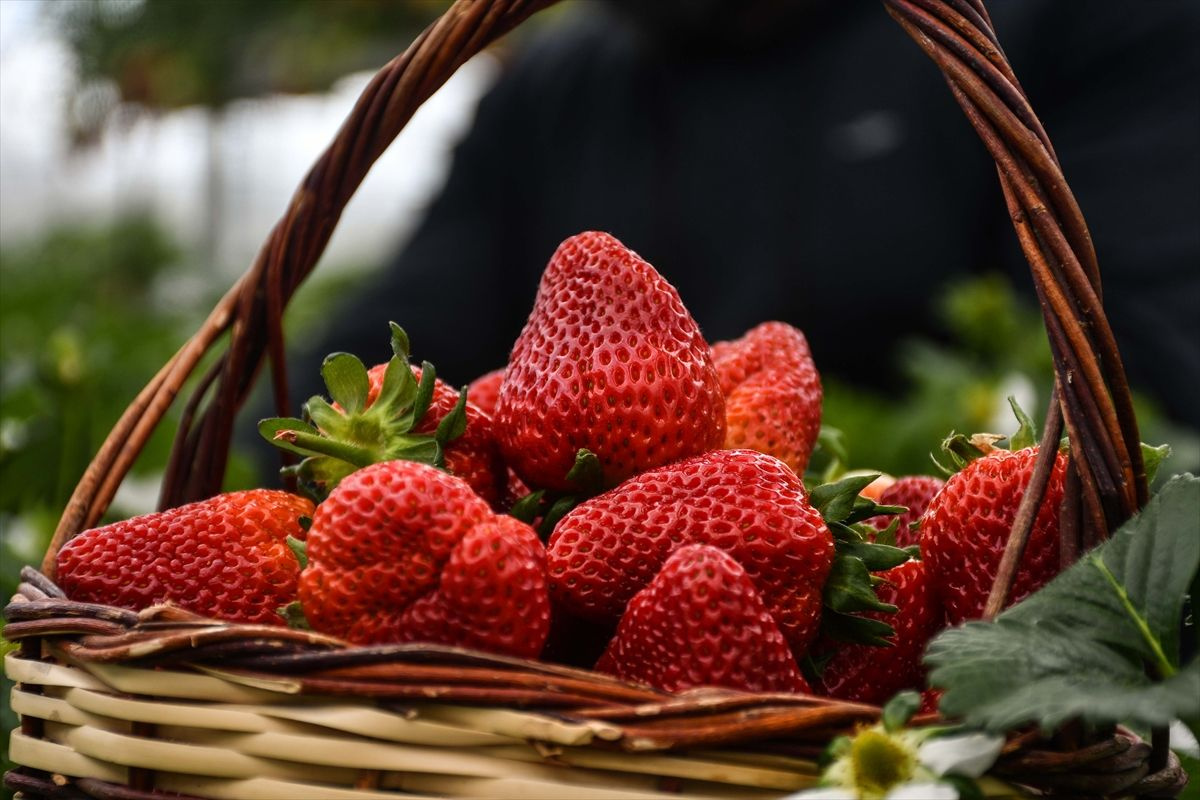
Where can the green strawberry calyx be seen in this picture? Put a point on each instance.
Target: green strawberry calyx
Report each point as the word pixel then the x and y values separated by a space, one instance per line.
pixel 859 551
pixel 336 438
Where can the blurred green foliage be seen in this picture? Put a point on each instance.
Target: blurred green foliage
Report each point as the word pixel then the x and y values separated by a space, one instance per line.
pixel 996 346
pixel 165 54
pixel 87 316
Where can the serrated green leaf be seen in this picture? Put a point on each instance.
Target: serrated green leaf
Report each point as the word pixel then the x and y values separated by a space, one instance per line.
pixel 849 587
pixel 1079 648
pixel 346 381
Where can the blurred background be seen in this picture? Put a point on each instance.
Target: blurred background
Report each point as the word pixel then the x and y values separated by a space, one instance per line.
pixel 148 146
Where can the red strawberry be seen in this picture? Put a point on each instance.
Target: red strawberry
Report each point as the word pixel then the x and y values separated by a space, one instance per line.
pixel 224 557
pixel 379 546
pixel 772 393
pixel 701 622
pixel 611 361
pixel 914 492
pixel 868 674
pixel 966 525
pixel 474 456
pixel 484 391
pixel 492 595
pixel 746 503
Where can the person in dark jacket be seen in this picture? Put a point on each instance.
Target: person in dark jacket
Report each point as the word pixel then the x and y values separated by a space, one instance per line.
pixel 803 160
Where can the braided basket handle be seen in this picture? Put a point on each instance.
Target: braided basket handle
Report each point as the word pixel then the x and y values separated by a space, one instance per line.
pixel 1105 485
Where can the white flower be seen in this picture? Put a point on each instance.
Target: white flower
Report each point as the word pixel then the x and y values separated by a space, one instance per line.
pixel 903 765
pixel 970 754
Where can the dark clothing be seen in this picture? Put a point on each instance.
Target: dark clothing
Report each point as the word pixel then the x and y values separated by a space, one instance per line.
pixel 828 180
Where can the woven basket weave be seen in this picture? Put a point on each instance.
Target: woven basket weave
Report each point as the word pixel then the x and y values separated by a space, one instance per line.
pixel 116 704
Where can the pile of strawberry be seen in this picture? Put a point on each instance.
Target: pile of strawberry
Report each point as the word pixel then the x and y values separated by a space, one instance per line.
pixel 622 496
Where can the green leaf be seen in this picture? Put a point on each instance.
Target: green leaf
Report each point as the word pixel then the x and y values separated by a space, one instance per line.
pixel 346 379
pixel 587 475
pixel 1080 647
pixel 400 344
pixel 558 509
pixel 899 710
pixel 876 557
pixel 299 549
pixel 397 393
pixel 1153 457
pixel 276 431
pixel 1026 435
pixel 526 509
pixel 836 500
pixel 293 615
pixel 852 628
pixel 454 423
pixel 849 587
pixel 424 396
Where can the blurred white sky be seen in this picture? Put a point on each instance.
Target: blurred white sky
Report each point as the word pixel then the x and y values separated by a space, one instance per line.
pixel 265 147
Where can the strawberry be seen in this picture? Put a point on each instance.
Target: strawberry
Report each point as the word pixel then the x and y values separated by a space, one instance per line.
pixel 473 456
pixel 746 503
pixel 401 551
pixel 867 674
pixel 224 557
pixel 609 361
pixel 772 393
pixel 492 595
pixel 701 622
pixel 484 391
pixel 913 492
pixel 967 523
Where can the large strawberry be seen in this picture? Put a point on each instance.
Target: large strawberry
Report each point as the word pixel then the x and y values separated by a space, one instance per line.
pixel 772 393
pixel 868 674
pixel 224 557
pixel 914 493
pixel 746 503
pixel 966 526
pixel 473 456
pixel 609 361
pixel 701 622
pixel 401 551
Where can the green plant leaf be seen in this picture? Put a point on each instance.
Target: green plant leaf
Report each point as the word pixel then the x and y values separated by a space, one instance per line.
pixel 400 343
pixel 346 380
pixel 1153 457
pixel 586 474
pixel 876 557
pixel 849 588
pixel 1026 435
pixel 453 424
pixel 899 710
pixel 1100 642
pixel 836 500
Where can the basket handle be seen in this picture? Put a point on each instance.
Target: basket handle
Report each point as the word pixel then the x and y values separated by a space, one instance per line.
pixel 251 312
pixel 1091 388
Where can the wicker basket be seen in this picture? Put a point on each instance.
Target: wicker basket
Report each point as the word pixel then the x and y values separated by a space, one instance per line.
pixel 115 704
